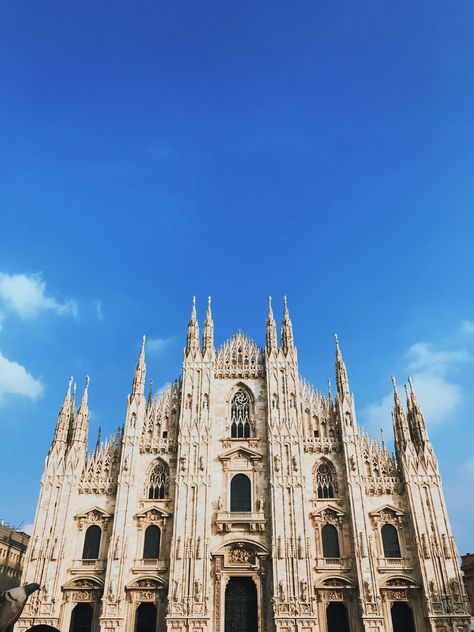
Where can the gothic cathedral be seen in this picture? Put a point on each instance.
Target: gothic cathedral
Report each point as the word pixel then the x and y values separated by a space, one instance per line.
pixel 240 499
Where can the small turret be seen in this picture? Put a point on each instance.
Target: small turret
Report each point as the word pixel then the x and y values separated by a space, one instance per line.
pixel 138 386
pixel 271 333
pixel 192 340
pixel 208 332
pixel 287 342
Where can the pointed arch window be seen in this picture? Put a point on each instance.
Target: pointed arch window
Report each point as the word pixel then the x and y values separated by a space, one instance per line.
pixel 391 544
pixel 151 545
pixel 92 543
pixel 325 481
pixel 240 493
pixel 330 541
pixel 158 482
pixel 240 416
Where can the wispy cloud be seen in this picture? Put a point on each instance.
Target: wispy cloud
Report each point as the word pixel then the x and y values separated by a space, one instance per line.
pixel 15 380
pixel 26 296
pixel 156 346
pixel 99 310
pixel 467 326
pixel 432 371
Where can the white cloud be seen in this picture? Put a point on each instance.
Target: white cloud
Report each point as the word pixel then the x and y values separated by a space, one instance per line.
pixel 467 326
pixel 15 380
pixel 26 296
pixel 438 396
pixel 158 345
pixel 423 357
pixel 99 310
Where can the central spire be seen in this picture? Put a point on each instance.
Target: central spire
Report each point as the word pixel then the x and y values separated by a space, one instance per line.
pixel 342 381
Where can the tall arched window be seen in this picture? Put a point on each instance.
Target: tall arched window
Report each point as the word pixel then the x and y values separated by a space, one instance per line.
pixel 325 483
pixel 92 543
pixel 158 483
pixel 240 493
pixel 151 545
pixel 240 416
pixel 391 545
pixel 330 541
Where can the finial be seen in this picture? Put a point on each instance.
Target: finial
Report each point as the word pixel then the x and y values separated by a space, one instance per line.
pixel 383 438
pixel 337 341
pixel 143 342
pixel 74 388
pixel 99 437
pixel 329 388
pixel 410 382
pixel 285 307
pixel 193 311
pixel 71 379
pixel 270 310
pixel 88 379
pixel 209 307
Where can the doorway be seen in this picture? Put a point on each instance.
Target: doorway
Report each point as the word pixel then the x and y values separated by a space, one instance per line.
pixel 241 614
pixel 81 618
pixel 145 618
pixel 402 617
pixel 336 617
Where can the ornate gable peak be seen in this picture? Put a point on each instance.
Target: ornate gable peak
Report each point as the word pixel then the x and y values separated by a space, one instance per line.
pixel 151 512
pixel 95 514
pixel 245 452
pixel 239 357
pixel 329 507
pixel 387 509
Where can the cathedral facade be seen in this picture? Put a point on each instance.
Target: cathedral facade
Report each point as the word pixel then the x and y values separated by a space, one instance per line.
pixel 240 499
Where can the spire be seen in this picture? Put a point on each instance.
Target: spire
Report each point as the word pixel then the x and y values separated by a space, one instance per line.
pixel 64 417
pixel 85 396
pixel 287 342
pixel 341 372
pixel 99 438
pixel 401 430
pixel 208 333
pixel 192 341
pixel 80 426
pixel 416 419
pixel 272 343
pixel 150 396
pixel 138 385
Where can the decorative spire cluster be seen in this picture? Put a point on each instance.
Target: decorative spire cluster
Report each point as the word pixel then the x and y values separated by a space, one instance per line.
pixel 410 425
pixel 287 344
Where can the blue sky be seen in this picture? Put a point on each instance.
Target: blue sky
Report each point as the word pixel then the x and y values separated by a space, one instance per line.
pixel 151 151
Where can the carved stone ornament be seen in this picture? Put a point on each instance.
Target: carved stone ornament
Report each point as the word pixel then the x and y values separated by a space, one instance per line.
pixel 94 516
pixel 387 514
pixel 153 515
pixel 240 554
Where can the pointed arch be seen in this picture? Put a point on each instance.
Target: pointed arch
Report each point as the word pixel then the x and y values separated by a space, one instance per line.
pixel 325 481
pixel 390 541
pixel 158 481
pixel 241 404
